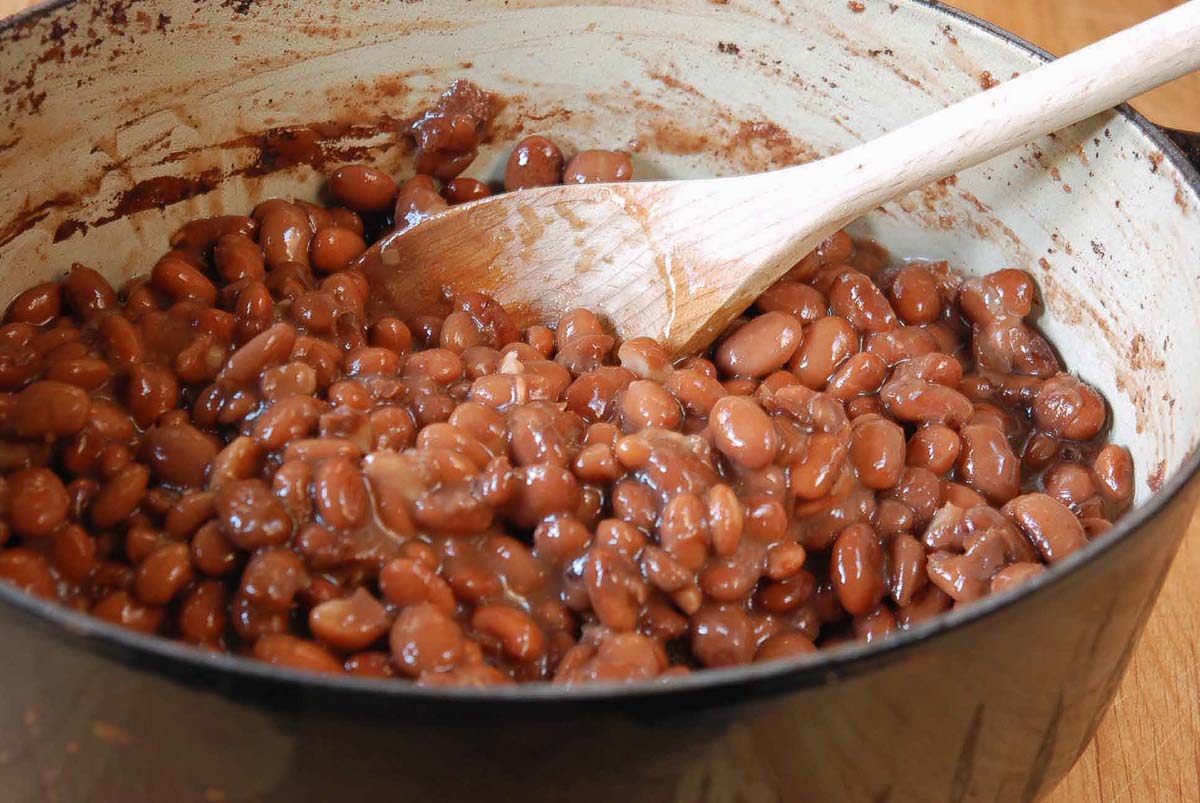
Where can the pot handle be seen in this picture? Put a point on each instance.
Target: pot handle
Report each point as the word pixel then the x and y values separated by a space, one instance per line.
pixel 1188 142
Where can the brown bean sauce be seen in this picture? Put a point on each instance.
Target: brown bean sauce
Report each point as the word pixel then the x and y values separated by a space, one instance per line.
pixel 237 451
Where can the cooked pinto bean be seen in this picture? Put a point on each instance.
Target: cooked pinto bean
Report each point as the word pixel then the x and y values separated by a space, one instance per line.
pixel 877 451
pixel 352 623
pixel 1003 294
pixel 761 346
pixel 1067 408
pixel 590 167
pixel 534 162
pixel 743 432
pixel 1113 467
pixel 915 296
pixel 362 188
pixel 987 463
pixel 857 569
pixel 827 343
pixel 1048 524
pixel 859 300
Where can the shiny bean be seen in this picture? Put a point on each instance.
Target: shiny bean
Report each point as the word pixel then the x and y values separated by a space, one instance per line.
pixel 987 463
pixel 915 297
pixel 164 574
pixel 341 493
pixel 1048 524
pixel 857 569
pixel 87 293
pixel 250 515
pixel 761 346
pixel 1014 575
pixel 295 653
pixel 285 235
pixel 803 302
pixel 37 502
pixel 743 432
pixel 935 447
pixel 859 300
pixel 39 305
pixel 518 634
pixel 647 404
pixel 861 373
pixel 1003 294
pixel 50 409
pixel 180 454
pixel 591 167
pixel 827 343
pixel 362 188
pixel 1113 467
pixel 534 162
pixel 721 636
pixel 333 249
pixel 877 452
pixel 1067 408
pixel 119 495
pixel 351 623
pixel 425 639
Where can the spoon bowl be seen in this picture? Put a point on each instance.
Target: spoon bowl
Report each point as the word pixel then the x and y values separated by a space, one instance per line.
pixel 633 252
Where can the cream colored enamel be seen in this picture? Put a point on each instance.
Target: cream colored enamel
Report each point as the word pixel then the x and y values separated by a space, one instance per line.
pixel 648 255
pixel 766 83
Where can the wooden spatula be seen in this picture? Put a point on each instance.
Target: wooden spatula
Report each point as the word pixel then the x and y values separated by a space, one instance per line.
pixel 678 260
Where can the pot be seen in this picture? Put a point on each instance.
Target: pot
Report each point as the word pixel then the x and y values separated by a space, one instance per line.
pixel 122 120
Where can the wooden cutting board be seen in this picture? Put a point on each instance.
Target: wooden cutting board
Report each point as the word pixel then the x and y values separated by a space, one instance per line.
pixel 1148 746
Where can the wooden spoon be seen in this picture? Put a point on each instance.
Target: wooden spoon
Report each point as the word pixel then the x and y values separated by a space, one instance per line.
pixel 679 260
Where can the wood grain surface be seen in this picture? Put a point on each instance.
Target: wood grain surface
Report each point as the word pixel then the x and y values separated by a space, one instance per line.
pixel 1148 746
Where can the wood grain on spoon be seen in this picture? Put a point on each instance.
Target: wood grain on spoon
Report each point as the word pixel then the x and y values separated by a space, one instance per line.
pixel 679 260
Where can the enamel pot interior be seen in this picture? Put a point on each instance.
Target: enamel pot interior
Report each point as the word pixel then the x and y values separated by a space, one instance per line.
pixel 126 123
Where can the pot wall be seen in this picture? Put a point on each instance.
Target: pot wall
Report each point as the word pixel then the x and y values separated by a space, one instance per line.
pixel 997 709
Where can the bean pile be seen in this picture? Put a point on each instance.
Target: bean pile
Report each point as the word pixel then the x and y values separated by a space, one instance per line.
pixel 239 451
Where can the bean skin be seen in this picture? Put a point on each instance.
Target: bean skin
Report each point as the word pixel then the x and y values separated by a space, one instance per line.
pixel 251 517
pixel 424 639
pixel 1113 467
pixel 362 188
pixel 761 346
pixel 721 636
pixel 295 653
pixel 589 167
pixel 1048 524
pixel 535 162
pixel 519 635
pixel 1067 408
pixel 827 343
pixel 877 451
pixel 353 623
pixel 38 502
pixel 987 463
pixel 856 298
pixel 743 432
pixel 858 569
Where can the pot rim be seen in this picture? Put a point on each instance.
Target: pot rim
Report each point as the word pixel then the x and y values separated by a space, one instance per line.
pixel 183 661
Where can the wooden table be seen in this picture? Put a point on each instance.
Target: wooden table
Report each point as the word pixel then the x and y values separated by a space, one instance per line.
pixel 1148 746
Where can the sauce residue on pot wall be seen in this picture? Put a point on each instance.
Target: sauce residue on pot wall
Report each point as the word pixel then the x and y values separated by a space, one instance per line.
pixel 314 145
pixel 276 149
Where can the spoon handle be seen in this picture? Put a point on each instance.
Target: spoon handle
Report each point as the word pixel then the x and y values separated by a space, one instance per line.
pixel 1016 112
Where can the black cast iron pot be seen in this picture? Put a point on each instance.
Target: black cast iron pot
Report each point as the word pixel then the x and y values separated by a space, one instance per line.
pixel 122 119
